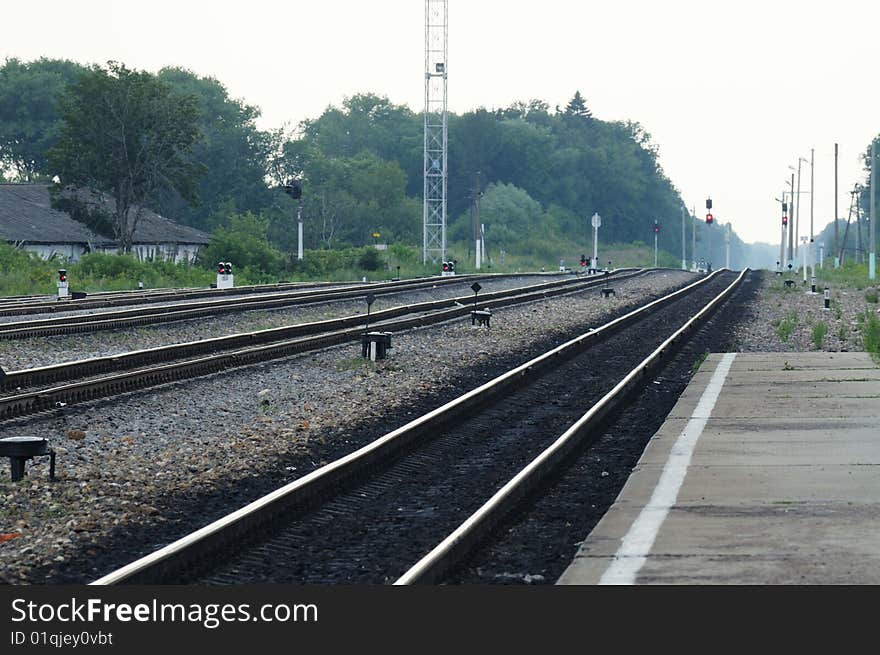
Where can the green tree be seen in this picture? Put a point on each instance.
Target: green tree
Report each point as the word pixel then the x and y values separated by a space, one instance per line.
pixel 345 199
pixel 243 240
pixel 29 121
pixel 126 136
pixel 231 150
pixel 577 106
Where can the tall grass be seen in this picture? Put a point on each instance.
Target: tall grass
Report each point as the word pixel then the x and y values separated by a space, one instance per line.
pixel 848 275
pixel 870 326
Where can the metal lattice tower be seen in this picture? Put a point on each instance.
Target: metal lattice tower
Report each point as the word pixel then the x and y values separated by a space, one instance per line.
pixel 434 210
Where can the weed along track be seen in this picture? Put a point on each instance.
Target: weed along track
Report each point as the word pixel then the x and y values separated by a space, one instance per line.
pixel 369 516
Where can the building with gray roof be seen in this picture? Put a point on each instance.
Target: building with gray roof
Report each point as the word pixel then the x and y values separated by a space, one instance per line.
pixel 28 221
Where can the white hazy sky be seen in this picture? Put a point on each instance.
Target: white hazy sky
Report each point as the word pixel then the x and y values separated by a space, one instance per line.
pixel 732 92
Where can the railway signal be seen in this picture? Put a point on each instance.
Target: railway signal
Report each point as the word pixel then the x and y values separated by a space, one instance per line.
pixel 583 261
pixel 225 279
pixel 709 219
pixel 596 222
pixel 294 189
pixel 62 283
pixel 656 233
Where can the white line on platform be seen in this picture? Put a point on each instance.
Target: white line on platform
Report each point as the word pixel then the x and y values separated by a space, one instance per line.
pixel 636 545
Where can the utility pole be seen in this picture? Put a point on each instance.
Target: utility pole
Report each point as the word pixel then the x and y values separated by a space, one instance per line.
pixel 872 255
pixel 836 258
pixel 797 212
pixel 842 253
pixel 694 236
pixel 727 244
pixel 683 241
pixel 812 255
pixel 790 226
pixel 859 248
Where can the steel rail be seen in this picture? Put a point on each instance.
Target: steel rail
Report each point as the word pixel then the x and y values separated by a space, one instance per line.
pixel 25 378
pixel 308 489
pixel 44 304
pixel 455 547
pixel 163 313
pixel 169 313
pixel 21 404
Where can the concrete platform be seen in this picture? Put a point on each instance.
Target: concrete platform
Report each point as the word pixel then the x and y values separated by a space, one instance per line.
pixel 767 471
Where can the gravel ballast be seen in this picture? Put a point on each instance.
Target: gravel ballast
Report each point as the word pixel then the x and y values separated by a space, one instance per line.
pixel 138 471
pixel 43 351
pixel 129 466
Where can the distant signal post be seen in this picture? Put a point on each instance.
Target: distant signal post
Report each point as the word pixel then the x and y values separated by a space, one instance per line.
pixel 656 233
pixel 597 223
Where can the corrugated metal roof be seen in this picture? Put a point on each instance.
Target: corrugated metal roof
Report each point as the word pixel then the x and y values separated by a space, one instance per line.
pixel 26 215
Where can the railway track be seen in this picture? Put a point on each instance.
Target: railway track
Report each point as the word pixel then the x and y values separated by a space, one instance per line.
pixel 26 305
pixel 181 312
pixel 368 516
pixel 99 377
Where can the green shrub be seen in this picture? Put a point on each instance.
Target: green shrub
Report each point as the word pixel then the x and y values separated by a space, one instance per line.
pixel 870 325
pixel 819 332
pixel 871 296
pixel 785 326
pixel 370 260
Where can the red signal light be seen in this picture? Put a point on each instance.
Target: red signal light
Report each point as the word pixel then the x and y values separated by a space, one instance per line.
pixel 709 219
pixel 62 275
pixel 785 220
pixel 445 267
pixel 221 268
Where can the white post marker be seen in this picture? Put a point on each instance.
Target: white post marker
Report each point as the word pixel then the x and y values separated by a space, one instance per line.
pixel 821 255
pixel 636 544
pixel 597 223
pixel 804 256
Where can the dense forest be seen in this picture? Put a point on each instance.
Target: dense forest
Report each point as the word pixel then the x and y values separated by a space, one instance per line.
pixel 537 174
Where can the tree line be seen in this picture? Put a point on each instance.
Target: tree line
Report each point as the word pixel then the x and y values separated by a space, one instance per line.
pixel 178 143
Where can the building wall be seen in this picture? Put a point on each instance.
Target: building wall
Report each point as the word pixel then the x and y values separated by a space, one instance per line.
pixel 70 251
pixel 177 252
